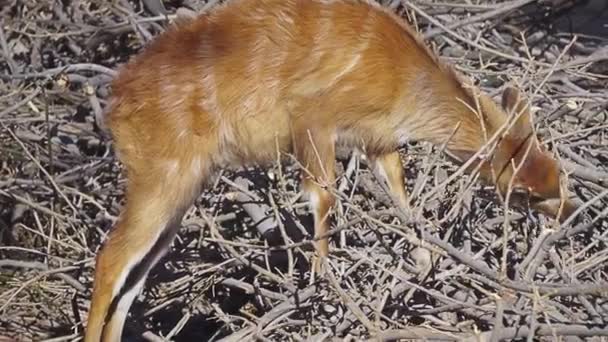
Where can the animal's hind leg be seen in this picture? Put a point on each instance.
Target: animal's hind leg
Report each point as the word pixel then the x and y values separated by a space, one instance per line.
pixel 153 211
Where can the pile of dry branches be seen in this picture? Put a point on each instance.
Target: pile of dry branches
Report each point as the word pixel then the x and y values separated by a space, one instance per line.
pixel 457 265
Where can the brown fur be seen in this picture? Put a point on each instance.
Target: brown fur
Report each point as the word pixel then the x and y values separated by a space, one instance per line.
pixel 223 89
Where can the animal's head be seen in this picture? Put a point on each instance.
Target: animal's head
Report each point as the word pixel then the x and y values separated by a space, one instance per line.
pixel 520 165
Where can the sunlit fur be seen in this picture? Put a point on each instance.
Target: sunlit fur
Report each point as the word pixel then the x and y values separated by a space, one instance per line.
pixel 225 89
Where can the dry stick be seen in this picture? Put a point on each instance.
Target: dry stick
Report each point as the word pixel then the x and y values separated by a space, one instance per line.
pixel 595 176
pixel 594 261
pixel 429 160
pixel 587 249
pixel 21 103
pixel 580 209
pixel 22 249
pixel 463 6
pixel 546 289
pixel 290 304
pixel 44 267
pixel 553 67
pixel 88 198
pixel 7 53
pixel 151 337
pixel 432 292
pixel 95 106
pixel 504 8
pixel 551 330
pixel 250 289
pixel 38 207
pixel 144 35
pixel 241 188
pixel 273 325
pixel 414 334
pixel 584 130
pixel 542 242
pixel 380 306
pixel 64 338
pixel 256 211
pixel 179 325
pixel 506 334
pixel 597 56
pixel 498 318
pixel 349 302
pixel 346 225
pixel 33 280
pixel 403 230
pixel 451 307
pixel 484 269
pixel 593 314
pixel 465 190
pixel 446 274
pixel 42 234
pixel 577 158
pixel 453 303
pixel 505 226
pixel 116 28
pixel 64 69
pixel 352 168
pixel 400 277
pixel 468 41
pixel 535 260
pixel 41 168
pixel 434 161
pixel 277 215
pixel 51 171
pixel 533 319
pixel 283 282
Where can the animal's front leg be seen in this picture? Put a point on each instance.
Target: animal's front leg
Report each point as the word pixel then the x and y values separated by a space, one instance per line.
pixel 315 150
pixel 390 167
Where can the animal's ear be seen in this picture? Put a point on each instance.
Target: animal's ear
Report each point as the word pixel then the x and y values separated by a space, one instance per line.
pixel 512 100
pixel 514 104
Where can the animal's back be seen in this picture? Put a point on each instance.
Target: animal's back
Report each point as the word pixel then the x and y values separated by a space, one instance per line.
pixel 233 83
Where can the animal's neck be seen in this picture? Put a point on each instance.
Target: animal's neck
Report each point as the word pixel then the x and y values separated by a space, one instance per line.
pixel 443 111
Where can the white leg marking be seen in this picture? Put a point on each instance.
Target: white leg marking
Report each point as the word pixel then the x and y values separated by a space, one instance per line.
pixel 134 261
pixel 122 309
pixel 314 201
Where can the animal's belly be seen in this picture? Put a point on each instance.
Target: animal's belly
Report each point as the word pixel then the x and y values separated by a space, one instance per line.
pixel 259 138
